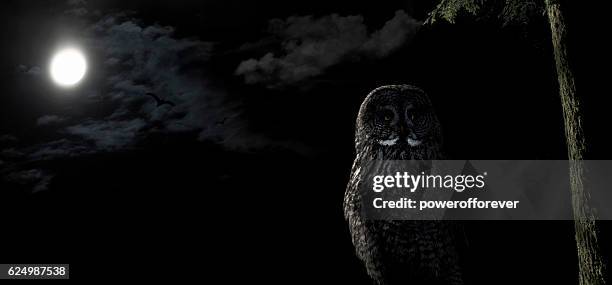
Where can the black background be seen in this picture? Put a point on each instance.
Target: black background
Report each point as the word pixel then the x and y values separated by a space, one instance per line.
pixel 176 207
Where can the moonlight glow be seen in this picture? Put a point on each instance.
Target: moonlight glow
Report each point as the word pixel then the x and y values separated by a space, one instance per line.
pixel 68 67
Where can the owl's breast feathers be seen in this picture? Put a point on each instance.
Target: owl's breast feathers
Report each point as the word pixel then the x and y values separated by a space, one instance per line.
pixel 417 252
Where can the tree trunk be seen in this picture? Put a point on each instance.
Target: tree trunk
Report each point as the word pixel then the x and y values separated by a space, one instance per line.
pixel 591 267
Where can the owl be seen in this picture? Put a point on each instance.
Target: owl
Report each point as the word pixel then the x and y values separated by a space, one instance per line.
pixel 397 122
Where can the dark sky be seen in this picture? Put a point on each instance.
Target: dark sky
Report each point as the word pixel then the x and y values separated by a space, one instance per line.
pixel 266 96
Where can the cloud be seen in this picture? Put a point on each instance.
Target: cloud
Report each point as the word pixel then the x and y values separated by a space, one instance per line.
pixel 60 149
pixel 397 31
pixel 49 120
pixel 36 178
pixel 29 70
pixel 12 153
pixel 150 58
pixel 8 139
pixel 76 8
pixel 311 45
pixel 108 135
pixel 143 58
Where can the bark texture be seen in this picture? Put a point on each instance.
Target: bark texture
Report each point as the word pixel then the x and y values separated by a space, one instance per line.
pixel 591 267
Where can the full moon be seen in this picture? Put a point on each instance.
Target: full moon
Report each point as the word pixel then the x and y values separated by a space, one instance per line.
pixel 68 67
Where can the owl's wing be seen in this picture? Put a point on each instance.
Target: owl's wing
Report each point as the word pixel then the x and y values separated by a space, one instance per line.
pixel 363 234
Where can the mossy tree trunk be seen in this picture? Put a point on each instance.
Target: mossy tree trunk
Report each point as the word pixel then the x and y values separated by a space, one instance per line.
pixel 590 262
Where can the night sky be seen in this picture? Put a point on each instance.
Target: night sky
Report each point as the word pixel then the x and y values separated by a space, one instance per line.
pixel 248 169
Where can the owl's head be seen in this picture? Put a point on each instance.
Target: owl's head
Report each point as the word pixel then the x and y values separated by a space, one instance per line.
pixel 398 116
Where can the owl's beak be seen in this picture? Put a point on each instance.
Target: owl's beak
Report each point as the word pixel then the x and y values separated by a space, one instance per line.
pixel 407 135
pixel 405 132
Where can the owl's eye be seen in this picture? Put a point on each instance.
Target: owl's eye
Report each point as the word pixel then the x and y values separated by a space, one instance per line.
pixel 387 115
pixel 413 114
